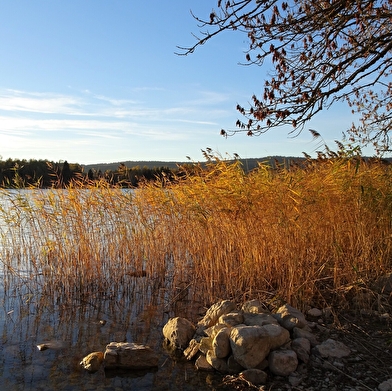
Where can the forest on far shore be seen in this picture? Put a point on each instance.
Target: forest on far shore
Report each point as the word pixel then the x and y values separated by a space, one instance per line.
pixel 22 173
pixel 16 173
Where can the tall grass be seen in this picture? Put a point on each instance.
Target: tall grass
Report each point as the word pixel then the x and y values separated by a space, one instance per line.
pixel 305 234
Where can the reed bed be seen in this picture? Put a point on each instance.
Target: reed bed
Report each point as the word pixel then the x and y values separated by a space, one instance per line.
pixel 306 234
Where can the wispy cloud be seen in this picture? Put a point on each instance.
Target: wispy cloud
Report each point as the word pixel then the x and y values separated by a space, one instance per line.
pixel 41 123
pixel 54 106
pixel 14 100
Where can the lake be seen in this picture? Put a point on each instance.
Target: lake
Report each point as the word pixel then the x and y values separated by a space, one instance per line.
pixel 76 326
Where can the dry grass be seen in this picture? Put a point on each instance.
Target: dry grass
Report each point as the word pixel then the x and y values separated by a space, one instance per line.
pixel 302 234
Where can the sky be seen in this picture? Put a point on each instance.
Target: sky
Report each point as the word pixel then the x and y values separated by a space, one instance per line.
pixel 99 81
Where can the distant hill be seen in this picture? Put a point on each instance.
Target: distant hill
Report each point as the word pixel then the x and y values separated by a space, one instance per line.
pixel 130 164
pixel 248 164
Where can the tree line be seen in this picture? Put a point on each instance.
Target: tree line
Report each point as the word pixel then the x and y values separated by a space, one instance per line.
pixel 22 173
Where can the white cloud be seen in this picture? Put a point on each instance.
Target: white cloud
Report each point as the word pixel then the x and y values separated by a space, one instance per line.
pixel 46 125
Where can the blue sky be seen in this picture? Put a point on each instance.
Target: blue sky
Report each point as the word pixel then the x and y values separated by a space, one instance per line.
pixel 99 81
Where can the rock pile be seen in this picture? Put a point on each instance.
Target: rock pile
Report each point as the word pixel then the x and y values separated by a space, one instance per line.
pixel 249 340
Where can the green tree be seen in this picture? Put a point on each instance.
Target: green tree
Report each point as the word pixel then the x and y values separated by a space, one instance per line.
pixel 322 52
pixel 66 174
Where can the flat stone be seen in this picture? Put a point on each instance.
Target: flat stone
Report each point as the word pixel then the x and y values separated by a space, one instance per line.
pixel 332 348
pixel 129 355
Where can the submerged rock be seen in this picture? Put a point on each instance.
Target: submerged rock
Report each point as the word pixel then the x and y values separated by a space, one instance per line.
pixel 129 355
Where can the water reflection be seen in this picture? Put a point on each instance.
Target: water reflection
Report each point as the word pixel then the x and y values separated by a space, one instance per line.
pixel 71 323
pixel 75 330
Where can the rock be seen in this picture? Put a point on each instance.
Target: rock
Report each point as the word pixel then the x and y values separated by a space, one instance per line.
pixel 332 348
pixel 250 345
pixel 217 363
pixel 256 319
pixel 263 365
pixel 315 312
pixel 215 312
pixel 254 376
pixel 277 335
pixel 301 347
pixel 129 355
pixel 92 362
pixel 253 306
pixel 231 319
pixel 53 344
pixel 301 333
pixel 385 385
pixel 282 362
pixel 191 351
pixel 213 330
pixel 178 332
pixel 295 379
pixel 289 317
pixel 205 344
pixel 202 364
pixel 233 366
pixel 221 343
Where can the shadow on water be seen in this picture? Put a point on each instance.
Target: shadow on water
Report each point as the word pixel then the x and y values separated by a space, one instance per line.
pixel 68 331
